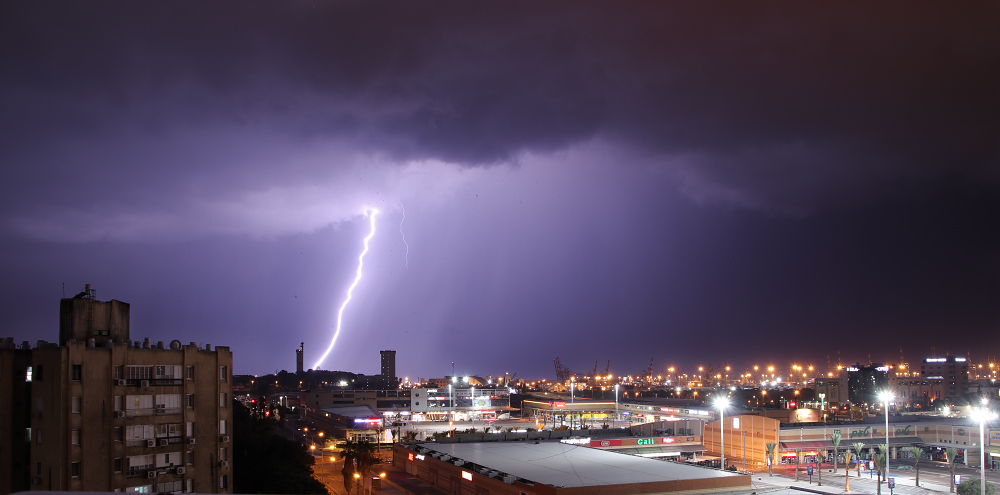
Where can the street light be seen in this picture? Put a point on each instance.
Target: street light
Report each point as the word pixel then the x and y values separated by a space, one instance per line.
pixel 886 396
pixel 614 425
pixel 983 414
pixel 722 403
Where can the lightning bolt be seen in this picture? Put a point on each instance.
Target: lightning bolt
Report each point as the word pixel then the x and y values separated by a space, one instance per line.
pixel 350 290
pixel 404 236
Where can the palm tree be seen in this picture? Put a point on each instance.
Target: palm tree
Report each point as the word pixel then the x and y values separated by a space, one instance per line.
pixel 847 471
pixel 952 453
pixel 358 458
pixel 880 466
pixel 771 448
pixel 820 457
pixel 798 455
pixel 835 440
pixel 883 454
pixel 857 450
pixel 916 451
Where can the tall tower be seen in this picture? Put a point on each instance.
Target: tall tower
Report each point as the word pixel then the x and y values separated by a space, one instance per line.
pixel 389 367
pixel 298 358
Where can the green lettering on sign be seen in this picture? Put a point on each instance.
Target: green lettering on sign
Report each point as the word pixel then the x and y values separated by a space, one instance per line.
pixel 644 441
pixel 861 433
pixel 903 431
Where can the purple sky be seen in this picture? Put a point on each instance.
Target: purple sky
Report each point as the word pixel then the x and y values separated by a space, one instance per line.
pixel 693 183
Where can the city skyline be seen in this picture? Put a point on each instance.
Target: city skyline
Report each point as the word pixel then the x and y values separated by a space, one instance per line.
pixel 737 184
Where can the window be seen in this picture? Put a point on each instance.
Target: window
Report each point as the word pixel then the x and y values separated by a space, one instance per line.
pixel 74 438
pixel 190 372
pixel 74 405
pixel 223 482
pixel 222 454
pixel 190 458
pixel 137 463
pixel 38 373
pixel 77 372
pixel 139 489
pixel 168 403
pixel 190 485
pixel 222 427
pixel 138 372
pixel 118 403
pixel 38 436
pixel 118 433
pixel 222 373
pixel 27 374
pixel 38 468
pixel 190 400
pixel 222 399
pixel 118 464
pixel 74 469
pixel 119 371
pixel 190 429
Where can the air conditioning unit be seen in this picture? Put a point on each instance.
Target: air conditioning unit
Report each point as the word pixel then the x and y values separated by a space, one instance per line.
pixel 161 410
pixel 224 464
pixel 191 441
pixel 164 442
pixel 145 384
pixel 119 414
pixel 120 382
pixel 37 480
pixel 225 438
pixel 151 474
pixel 180 470
pixel 509 480
pixel 458 462
pixel 151 443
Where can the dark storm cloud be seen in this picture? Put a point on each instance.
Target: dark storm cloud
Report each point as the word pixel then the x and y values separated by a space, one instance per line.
pixel 784 106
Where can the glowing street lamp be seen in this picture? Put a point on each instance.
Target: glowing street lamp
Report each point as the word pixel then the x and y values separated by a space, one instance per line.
pixel 983 414
pixel 886 396
pixel 722 403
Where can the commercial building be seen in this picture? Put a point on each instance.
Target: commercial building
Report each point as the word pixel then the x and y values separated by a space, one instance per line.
pixel 459 403
pixel 953 371
pixel 108 414
pixel 552 468
pixel 864 383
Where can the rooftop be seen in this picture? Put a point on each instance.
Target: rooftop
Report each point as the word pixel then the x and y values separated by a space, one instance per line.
pixel 564 465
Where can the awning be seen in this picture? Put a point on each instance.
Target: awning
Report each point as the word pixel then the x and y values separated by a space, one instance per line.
pixel 993 450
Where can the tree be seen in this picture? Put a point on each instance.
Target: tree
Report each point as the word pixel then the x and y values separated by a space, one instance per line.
pixel 916 451
pixel 771 448
pixel 952 452
pixel 880 467
pixel 847 471
pixel 266 462
pixel 835 440
pixel 857 450
pixel 798 455
pixel 972 487
pixel 820 457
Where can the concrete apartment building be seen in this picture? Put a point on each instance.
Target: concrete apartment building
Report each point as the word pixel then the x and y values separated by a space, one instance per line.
pixel 103 413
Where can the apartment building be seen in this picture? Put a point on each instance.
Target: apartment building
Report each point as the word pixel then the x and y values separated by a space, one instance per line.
pixel 105 413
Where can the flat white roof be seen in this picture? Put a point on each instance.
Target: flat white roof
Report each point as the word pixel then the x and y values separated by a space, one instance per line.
pixel 565 465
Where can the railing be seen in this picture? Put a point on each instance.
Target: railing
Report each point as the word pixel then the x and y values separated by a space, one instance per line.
pixel 152 411
pixel 136 382
pixel 141 442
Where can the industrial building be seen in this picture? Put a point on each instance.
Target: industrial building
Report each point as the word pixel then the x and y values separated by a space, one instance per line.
pixel 98 412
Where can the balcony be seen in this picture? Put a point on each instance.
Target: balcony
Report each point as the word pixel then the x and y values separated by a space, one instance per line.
pixel 153 411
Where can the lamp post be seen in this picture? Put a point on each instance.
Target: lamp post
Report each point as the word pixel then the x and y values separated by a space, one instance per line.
pixel 614 423
pixel 472 413
pixel 886 397
pixel 984 414
pixel 451 401
pixel 721 403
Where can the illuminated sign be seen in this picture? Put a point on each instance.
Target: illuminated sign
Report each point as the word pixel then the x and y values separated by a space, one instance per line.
pixel 669 440
pixel 576 441
pixel 936 360
pixel 903 431
pixel 995 437
pixel 558 404
pixel 852 368
pixel 644 441
pixel 861 433
pixel 466 476
pixel 959 360
pixel 605 443
pixel 420 457
pixel 410 456
pixel 736 422
pixel 882 368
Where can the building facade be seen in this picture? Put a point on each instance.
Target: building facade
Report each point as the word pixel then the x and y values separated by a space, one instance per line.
pixel 108 414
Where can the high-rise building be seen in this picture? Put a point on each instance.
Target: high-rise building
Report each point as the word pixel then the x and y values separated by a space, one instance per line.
pixel 864 383
pixel 953 371
pixel 389 367
pixel 108 414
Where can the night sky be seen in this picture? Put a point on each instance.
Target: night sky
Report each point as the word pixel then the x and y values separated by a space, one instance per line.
pixel 696 183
